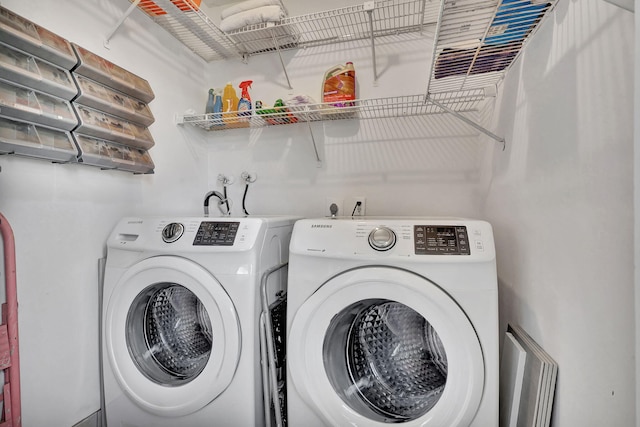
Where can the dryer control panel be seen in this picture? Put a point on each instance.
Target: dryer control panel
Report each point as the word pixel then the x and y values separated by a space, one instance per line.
pixel 420 239
pixel 212 233
pixel 441 240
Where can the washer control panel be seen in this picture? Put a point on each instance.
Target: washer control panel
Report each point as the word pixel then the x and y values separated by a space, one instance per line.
pixel 211 233
pixel 441 240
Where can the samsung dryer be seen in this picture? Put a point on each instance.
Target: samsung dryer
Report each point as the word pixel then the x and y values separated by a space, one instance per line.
pixel 180 325
pixel 392 321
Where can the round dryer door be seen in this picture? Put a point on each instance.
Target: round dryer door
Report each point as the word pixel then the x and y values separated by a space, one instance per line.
pixel 172 335
pixel 379 345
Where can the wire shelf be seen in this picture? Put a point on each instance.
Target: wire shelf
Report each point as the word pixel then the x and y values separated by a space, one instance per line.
pixel 199 33
pixel 477 40
pixel 382 18
pixel 475 43
pixel 195 30
pixel 398 106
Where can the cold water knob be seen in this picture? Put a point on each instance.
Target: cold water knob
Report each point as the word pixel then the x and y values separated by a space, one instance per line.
pixel 382 238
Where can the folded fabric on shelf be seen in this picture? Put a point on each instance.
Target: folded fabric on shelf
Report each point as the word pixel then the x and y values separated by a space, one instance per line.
pixel 486 59
pixel 251 17
pixel 247 5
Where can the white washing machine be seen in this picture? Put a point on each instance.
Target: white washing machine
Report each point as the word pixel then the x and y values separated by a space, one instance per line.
pixel 181 312
pixel 392 321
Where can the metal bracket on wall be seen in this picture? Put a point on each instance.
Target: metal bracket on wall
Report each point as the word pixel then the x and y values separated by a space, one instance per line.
pixel 123 18
pixel 468 121
pixel 315 147
pixel 284 68
pixel 368 7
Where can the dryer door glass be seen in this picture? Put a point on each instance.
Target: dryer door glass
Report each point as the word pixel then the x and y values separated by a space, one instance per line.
pixel 385 360
pixel 169 334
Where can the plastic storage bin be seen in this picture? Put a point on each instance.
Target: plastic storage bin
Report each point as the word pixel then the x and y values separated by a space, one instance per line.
pixel 28 105
pixel 29 37
pixel 109 74
pixel 98 96
pixel 102 125
pixel 107 155
pixel 27 70
pixel 27 139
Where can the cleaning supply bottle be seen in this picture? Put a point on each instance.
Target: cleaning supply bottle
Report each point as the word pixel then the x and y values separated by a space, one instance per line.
pixel 217 107
pixel 229 104
pixel 244 105
pixel 285 116
pixel 267 113
pixel 210 101
pixel 339 85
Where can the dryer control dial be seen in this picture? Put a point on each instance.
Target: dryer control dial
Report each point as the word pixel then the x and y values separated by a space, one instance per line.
pixel 382 238
pixel 172 232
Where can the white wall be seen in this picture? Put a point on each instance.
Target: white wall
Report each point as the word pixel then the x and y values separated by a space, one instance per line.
pixel 561 202
pixel 403 166
pixel 636 200
pixel 62 214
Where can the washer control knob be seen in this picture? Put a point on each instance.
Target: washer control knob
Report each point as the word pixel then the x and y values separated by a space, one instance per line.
pixel 382 238
pixel 172 232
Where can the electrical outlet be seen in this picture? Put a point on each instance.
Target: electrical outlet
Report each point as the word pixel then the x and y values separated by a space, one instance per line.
pixel 357 206
pixel 327 206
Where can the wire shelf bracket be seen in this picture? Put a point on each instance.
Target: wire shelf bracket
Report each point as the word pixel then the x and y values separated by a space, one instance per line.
pixel 468 121
pixel 123 18
pixel 315 146
pixel 284 67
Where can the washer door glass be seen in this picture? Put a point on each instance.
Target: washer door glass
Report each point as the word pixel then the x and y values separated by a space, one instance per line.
pixel 385 360
pixel 169 334
pixel 378 345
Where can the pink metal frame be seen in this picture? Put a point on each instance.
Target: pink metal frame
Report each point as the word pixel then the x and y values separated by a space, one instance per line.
pixel 9 354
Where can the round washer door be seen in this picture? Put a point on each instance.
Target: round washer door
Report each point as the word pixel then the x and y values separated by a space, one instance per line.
pixel 172 335
pixel 380 345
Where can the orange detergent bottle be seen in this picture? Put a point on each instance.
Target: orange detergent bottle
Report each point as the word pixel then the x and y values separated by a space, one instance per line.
pixel 229 104
pixel 339 87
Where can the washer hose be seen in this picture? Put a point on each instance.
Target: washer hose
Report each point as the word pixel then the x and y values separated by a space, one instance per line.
pixel 217 194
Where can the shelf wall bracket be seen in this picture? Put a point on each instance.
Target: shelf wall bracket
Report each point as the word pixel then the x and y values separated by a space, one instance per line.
pixel 123 18
pixel 284 67
pixel 313 141
pixel 368 7
pixel 468 121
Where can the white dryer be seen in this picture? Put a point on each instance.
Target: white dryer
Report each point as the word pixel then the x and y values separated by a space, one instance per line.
pixel 392 321
pixel 180 328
